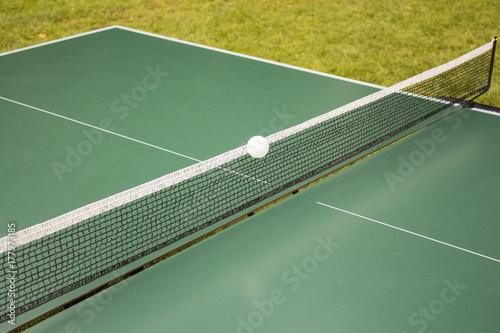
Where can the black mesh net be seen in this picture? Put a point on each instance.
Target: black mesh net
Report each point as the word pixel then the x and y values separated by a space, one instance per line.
pixel 67 259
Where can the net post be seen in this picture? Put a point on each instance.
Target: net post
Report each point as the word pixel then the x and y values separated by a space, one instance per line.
pixel 471 103
pixel 492 60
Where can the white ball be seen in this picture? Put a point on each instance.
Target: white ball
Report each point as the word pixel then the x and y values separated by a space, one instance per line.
pixel 258 146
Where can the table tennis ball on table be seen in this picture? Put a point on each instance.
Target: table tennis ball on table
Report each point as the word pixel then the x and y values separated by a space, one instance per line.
pixel 257 146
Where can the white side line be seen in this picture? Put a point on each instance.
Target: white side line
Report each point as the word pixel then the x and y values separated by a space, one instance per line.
pixel 100 129
pixel 197 45
pixel 486 111
pixel 58 40
pixel 410 232
pixel 251 57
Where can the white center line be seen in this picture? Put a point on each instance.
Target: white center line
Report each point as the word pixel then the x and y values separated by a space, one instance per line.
pixel 98 128
pixel 409 232
pixel 124 137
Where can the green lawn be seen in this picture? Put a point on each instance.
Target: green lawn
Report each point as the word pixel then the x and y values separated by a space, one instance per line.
pixel 377 41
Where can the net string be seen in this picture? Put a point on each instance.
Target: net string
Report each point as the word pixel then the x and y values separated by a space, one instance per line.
pixel 82 252
pixel 66 220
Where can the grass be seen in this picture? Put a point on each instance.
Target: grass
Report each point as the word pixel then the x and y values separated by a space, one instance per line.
pixel 381 42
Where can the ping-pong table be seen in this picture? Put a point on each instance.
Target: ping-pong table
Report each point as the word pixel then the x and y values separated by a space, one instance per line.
pixel 403 240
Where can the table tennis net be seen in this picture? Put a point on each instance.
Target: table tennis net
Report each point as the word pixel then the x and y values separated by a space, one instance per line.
pixel 67 252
